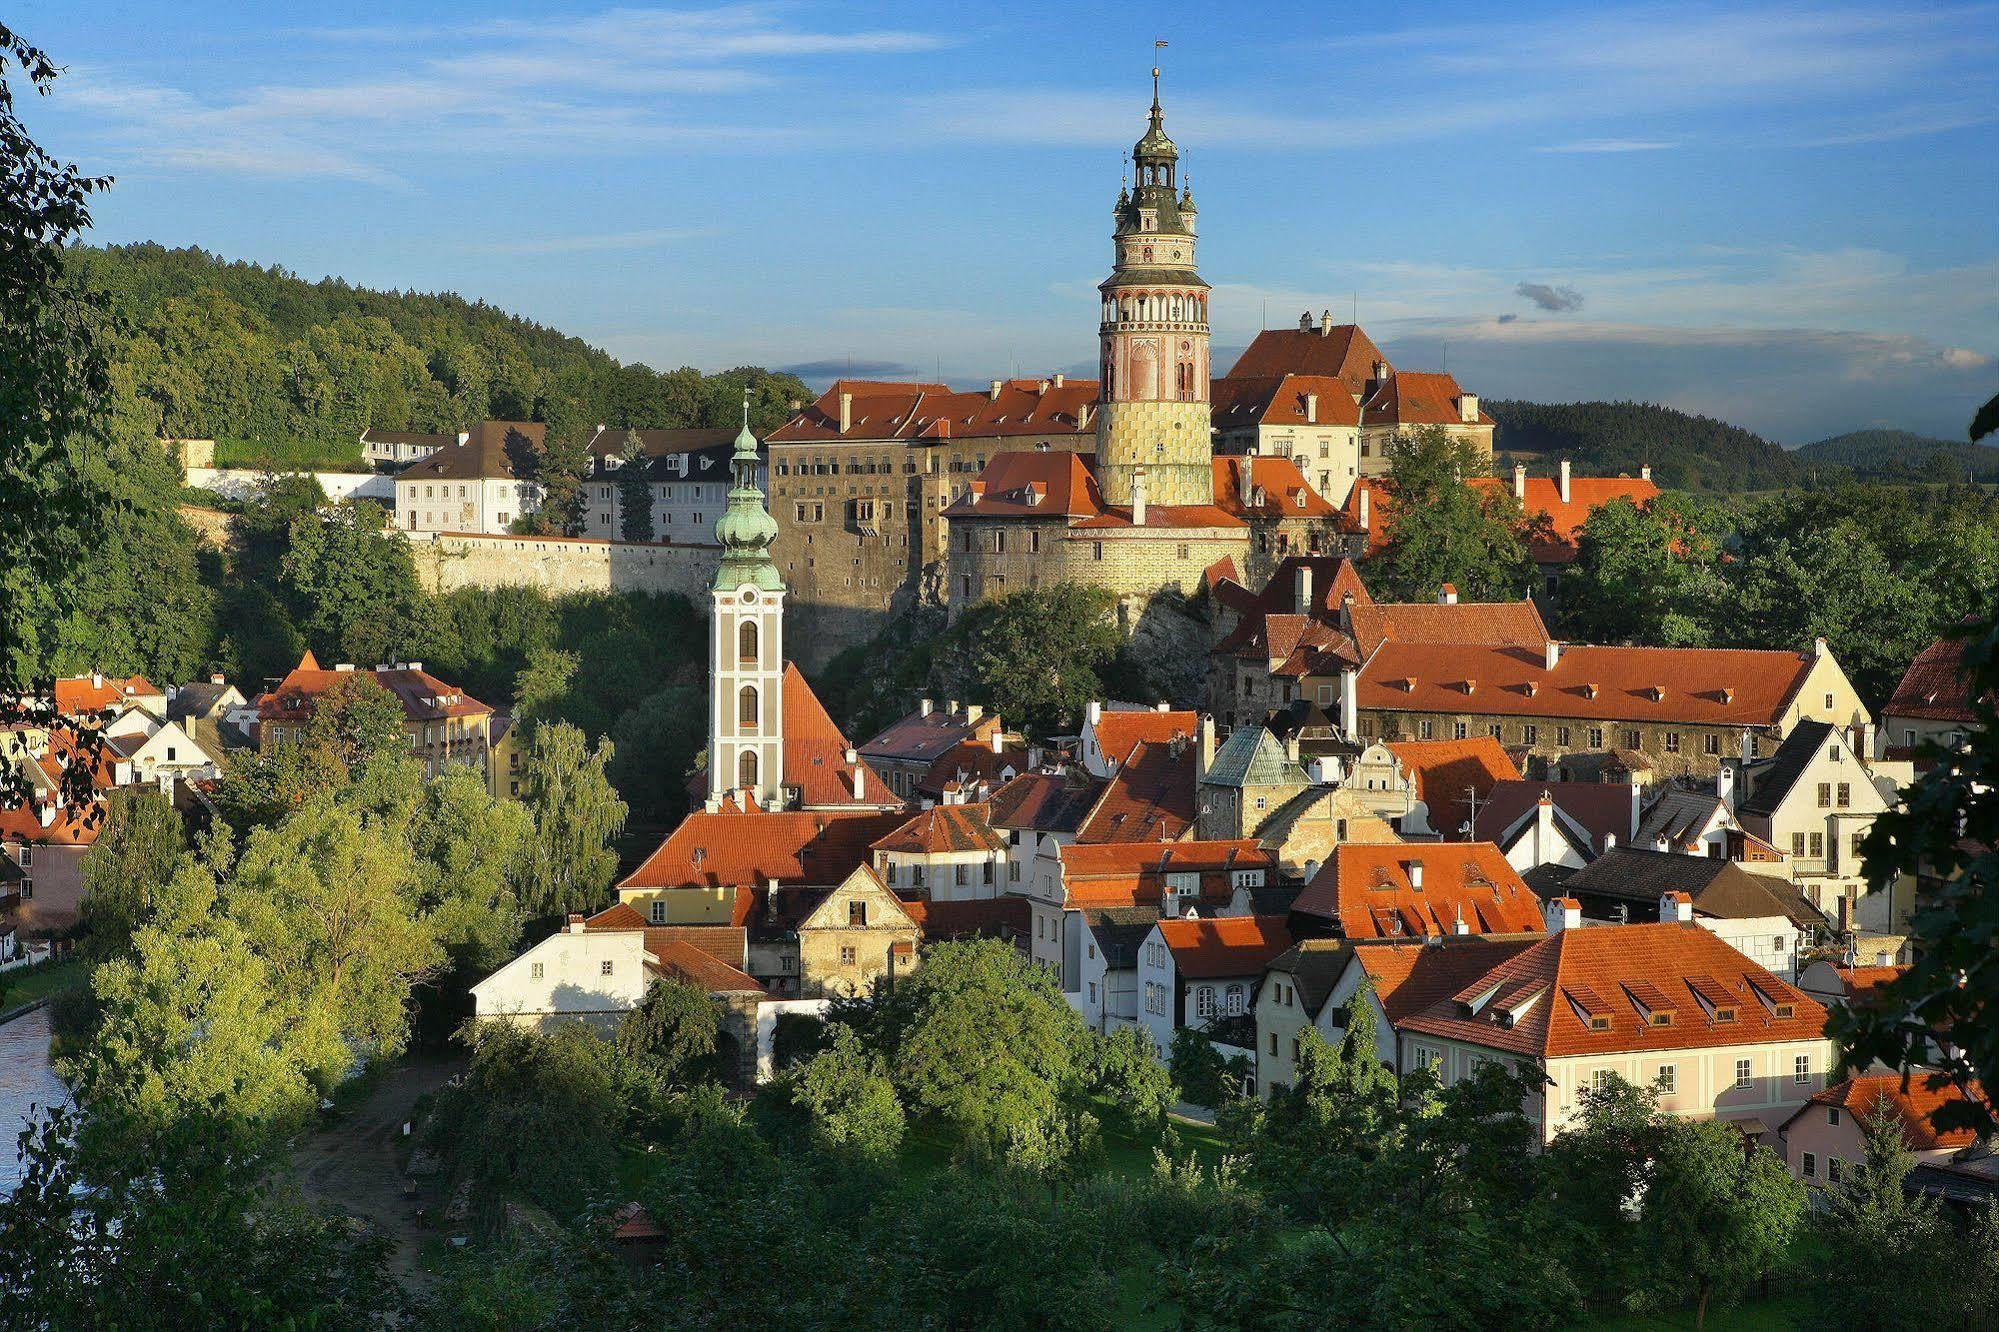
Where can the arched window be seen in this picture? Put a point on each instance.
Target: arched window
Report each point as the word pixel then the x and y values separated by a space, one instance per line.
pixel 746 768
pixel 746 708
pixel 1147 258
pixel 746 642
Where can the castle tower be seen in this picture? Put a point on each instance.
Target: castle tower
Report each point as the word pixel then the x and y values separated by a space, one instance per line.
pixel 1153 420
pixel 746 641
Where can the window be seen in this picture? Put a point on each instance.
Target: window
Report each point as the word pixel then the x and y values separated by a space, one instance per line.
pixel 746 708
pixel 535 970
pixel 1630 739
pixel 1204 1002
pixel 1741 1074
pixel 1093 992
pixel 659 913
pixel 27 857
pixel 1672 742
pixel 1596 737
pixel 1233 1000
pixel 1834 1169
pixel 1096 550
pixel 746 768
pixel 1599 1080
pixel 1457 730
pixel 1818 846
pixel 1829 704
pixel 1845 799
pixel 1426 729
pixel 1801 1068
pixel 1798 845
pixel 789 963
pixel 1563 736
pixel 746 642
pixel 1711 745
pixel 1273 1043
pixel 1493 730
pixel 1810 1165
pixel 1859 836
pixel 1530 734
pixel 1832 1115
pixel 1669 1078
pixel 1825 795
pixel 604 967
pixel 857 914
pixel 847 955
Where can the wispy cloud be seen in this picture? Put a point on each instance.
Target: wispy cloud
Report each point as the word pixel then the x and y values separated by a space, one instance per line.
pixel 1611 146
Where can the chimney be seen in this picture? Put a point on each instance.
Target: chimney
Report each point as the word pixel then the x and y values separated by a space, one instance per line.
pixel 1093 712
pixel 1819 648
pixel 1415 868
pixel 1291 747
pixel 1675 908
pixel 1349 702
pixel 1645 472
pixel 97 676
pixel 1311 409
pixel 1565 481
pixel 1138 498
pixel 1724 786
pixel 998 741
pixel 1363 508
pixel 770 899
pixel 1562 913
pixel 1551 655
pixel 1447 595
pixel 1748 748
pixel 1325 323
pixel 974 711
pixel 1305 322
pixel 1302 595
pixel 465 436
pixel 216 678
pixel 1162 706
pixel 846 412
pixel 1060 379
pixel 1637 810
pixel 1519 481
pixel 1041 388
pixel 925 708
pixel 951 707
pixel 575 923
pixel 1204 748
pixel 993 389
pixel 1381 372
pixel 1458 925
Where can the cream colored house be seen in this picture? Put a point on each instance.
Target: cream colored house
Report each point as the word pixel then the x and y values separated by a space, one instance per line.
pixel 477 484
pixel 583 975
pixel 1816 798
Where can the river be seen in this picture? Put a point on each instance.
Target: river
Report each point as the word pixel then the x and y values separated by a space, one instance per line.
pixel 26 1080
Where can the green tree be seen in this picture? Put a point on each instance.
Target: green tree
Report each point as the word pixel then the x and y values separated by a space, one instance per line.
pixel 1036 656
pixel 1646 574
pixel 464 849
pixel 1198 1069
pixel 352 585
pixel 981 1038
pixel 140 848
pixel 1714 1219
pixel 1121 1068
pixel 1320 1136
pixel 846 1089
pixel 656 743
pixel 1597 1166
pixel 568 863
pixel 1444 531
pixel 561 465
pixel 673 1032
pixel 634 490
pixel 355 725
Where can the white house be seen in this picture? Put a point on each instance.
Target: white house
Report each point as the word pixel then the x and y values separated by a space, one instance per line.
pixel 594 976
pixel 1816 799
pixel 687 482
pixel 480 484
pixel 1193 972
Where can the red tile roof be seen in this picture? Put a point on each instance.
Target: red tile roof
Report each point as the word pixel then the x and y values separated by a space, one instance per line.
pixel 914 412
pixel 1370 891
pixel 942 829
pixel 1053 484
pixel 424 697
pixel 1863 984
pixel 1481 623
pixel 815 755
pixel 1451 774
pixel 1541 1002
pixel 1412 397
pixel 22 825
pixel 1209 949
pixel 970 762
pixel 1118 731
pixel 1557 543
pixel 1281 400
pixel 81 695
pixel 721 849
pixel 1695 686
pixel 1344 353
pixel 1935 687
pixel 1150 799
pixel 1409 977
pixel 921 737
pixel 686 962
pixel 1914 1102
pixel 1124 874
pixel 1052 802
pixel 1004 917
pixel 1600 808
pixel 1267 488
pixel 493 451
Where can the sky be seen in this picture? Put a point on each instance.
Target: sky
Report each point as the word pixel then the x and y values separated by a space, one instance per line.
pixel 1785 216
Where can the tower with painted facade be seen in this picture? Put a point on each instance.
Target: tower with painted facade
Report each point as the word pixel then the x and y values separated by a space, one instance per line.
pixel 746 642
pixel 1152 424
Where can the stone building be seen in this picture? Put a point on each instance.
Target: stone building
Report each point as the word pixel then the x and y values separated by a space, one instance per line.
pixel 687 479
pixel 480 483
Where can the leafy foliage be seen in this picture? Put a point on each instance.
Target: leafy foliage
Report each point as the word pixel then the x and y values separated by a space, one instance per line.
pixel 1605 438
pixel 568 861
pixel 1901 455
pixel 1448 532
pixel 847 1091
pixel 1036 656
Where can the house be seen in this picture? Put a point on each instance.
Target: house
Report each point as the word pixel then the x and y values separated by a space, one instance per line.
pixel 148 751
pixel 86 697
pixel 1149 798
pixel 1111 730
pixel 687 481
pixel 1160 878
pixel 390 450
pixel 1311 419
pixel 42 846
pixel 506 761
pixel 948 853
pixel 1432 788
pixel 1815 798
pixel 445 724
pixel 1242 784
pixel 1109 941
pixel 1764 917
pixel 1823 1138
pixel 1416 890
pixel 1557 507
pixel 1687 822
pixel 1855 986
pixel 1932 702
pixel 482 483
pixel 1557 823
pixel 1667 1005
pixel 1289 999
pixel 1194 972
pixel 214 714
pixel 1041 812
pixel 907 747
pixel 973 769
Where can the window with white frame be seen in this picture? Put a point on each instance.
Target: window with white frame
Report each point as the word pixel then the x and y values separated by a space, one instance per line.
pixel 1801 1068
pixel 1204 1001
pixel 1741 1073
pixel 1669 1078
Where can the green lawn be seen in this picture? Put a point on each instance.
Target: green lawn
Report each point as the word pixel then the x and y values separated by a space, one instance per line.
pixel 31 983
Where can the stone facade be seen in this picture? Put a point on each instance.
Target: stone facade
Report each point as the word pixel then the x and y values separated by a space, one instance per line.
pixel 990 557
pixel 557 565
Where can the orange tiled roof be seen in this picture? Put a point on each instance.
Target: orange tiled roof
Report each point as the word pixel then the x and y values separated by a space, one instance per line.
pixel 1696 686
pixel 1267 488
pixel 1542 1001
pixel 684 961
pixel 424 697
pixel 1005 916
pixel 1935 687
pixel 1054 802
pixel 1587 494
pixel 1117 732
pixel 1345 353
pixel 1915 1103
pixel 1124 874
pixel 1371 892
pixel 1416 397
pixel 1446 770
pixel 1208 949
pixel 1482 623
pixel 22 825
pixel 1150 799
pixel 916 413
pixel 921 737
pixel 942 829
pixel 971 761
pixel 801 847
pixel 1864 983
pixel 1281 400
pixel 1054 484
pixel 81 695
pixel 815 755
pixel 1409 977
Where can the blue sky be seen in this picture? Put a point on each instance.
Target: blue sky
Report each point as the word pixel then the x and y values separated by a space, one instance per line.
pixel 1786 216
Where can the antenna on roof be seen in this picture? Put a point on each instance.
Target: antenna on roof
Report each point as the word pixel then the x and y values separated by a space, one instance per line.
pixel 1356 309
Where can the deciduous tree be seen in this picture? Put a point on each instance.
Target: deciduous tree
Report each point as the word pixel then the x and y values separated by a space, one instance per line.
pixel 1444 531
pixel 1715 1217
pixel 575 811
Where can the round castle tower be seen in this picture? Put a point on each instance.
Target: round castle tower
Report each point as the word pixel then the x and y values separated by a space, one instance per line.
pixel 1153 423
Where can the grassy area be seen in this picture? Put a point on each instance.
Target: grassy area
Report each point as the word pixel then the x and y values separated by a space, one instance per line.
pixel 27 984
pixel 292 455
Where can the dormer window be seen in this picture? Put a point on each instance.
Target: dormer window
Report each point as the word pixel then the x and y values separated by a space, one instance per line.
pixel 1662 1019
pixel 1599 1022
pixel 1724 1015
pixel 1786 1010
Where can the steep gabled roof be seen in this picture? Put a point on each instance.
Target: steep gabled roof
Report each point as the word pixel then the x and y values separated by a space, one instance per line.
pixel 1150 799
pixel 1373 892
pixel 1777 775
pixel 1252 756
pixel 1678 816
pixel 83 694
pixel 919 413
pixel 1935 687
pixel 1343 353
pixel 1281 400
pixel 1417 397
pixel 1212 949
pixel 1051 484
pixel 493 450
pixel 1266 487
pixel 742 849
pixel 1409 977
pixel 1594 809
pixel 1913 1100
pixel 942 829
pixel 1046 802
pixel 1315 967
pixel 1451 775
pixel 1118 729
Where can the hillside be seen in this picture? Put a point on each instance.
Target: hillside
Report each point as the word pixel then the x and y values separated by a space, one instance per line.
pixel 1902 454
pixel 1685 452
pixel 241 352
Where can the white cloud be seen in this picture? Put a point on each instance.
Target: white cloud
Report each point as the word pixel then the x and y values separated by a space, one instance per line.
pixel 1611 146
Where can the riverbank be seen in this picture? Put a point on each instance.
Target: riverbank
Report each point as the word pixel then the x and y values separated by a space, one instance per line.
pixel 27 989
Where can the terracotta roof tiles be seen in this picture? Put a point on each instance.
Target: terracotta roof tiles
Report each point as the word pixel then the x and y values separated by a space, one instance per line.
pixel 1420 890
pixel 1208 949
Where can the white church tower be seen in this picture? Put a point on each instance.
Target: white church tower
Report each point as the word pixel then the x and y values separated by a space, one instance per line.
pixel 746 644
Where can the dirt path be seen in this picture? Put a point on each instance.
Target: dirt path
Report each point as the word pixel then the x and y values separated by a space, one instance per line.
pixel 354 1163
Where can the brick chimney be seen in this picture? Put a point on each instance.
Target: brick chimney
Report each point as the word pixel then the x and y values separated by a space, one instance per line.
pixel 1565 481
pixel 1325 323
pixel 1302 593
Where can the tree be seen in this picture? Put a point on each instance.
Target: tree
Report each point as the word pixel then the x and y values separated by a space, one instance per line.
pixel 673 1032
pixel 140 848
pixel 1646 574
pixel 568 863
pixel 1320 1135
pixel 1936 1015
pixel 979 1037
pixel 1199 1070
pixel 656 743
pixel 464 849
pixel 355 725
pixel 1444 531
pixel 1036 655
pixel 352 585
pixel 53 379
pixel 634 490
pixel 846 1089
pixel 1598 1166
pixel 1121 1068
pixel 1881 1240
pixel 561 465
pixel 1714 1217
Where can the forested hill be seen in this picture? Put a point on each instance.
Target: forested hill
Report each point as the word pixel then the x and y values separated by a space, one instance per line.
pixel 230 350
pixel 1685 452
pixel 1899 454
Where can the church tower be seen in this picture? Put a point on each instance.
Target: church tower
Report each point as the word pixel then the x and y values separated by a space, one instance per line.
pixel 1152 425
pixel 746 642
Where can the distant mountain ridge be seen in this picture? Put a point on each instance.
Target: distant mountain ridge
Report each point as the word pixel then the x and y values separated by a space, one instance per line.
pixel 1685 451
pixel 1893 453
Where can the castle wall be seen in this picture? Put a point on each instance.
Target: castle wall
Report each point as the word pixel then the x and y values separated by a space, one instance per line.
pixel 446 561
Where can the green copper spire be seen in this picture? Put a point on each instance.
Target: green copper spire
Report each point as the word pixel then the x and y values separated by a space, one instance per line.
pixel 746 529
